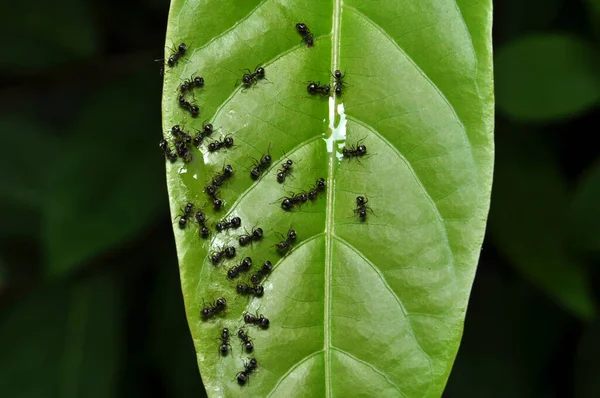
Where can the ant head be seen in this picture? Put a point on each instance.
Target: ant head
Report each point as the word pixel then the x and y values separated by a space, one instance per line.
pixel 230 251
pixel 228 170
pixel 236 222
pixel 321 184
pixel 199 81
pixel 204 232
pixel 175 129
pixel 217 203
pixel 291 234
pixel 221 302
pixel 207 128
pixel 301 27
pixel 281 176
pixel 286 204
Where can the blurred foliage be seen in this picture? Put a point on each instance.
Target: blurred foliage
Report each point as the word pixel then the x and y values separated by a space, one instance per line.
pixel 546 77
pixel 538 247
pixel 90 303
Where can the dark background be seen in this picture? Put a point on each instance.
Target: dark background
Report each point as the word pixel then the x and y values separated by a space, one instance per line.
pixel 90 303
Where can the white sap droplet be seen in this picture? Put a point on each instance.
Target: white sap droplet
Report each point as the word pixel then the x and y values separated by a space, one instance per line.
pixel 338 133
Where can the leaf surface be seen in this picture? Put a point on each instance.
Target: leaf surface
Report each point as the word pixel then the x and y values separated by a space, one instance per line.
pixel 362 308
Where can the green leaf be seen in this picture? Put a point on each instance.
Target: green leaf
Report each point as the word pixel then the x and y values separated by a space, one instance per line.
pixel 49 34
pixel 584 219
pixel 22 187
pixel 373 308
pixel 171 347
pixel 67 338
pixel 547 77
pixel 520 17
pixel 90 193
pixel 525 342
pixel 587 366
pixel 528 221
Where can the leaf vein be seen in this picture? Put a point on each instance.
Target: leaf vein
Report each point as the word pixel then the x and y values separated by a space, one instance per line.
pixel 398 300
pixel 291 370
pixel 421 185
pixel 232 27
pixel 416 66
pixel 372 367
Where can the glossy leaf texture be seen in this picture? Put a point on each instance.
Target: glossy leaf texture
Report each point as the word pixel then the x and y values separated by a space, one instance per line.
pixel 373 308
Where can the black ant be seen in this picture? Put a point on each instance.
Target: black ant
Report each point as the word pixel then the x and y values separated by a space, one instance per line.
pixel 235 222
pixel 207 130
pixel 317 88
pixel 262 272
pixel 261 165
pixel 225 346
pixel 246 341
pixel 258 320
pixel 212 191
pixel 194 81
pixel 174 58
pixel 319 187
pixel 215 308
pixel 220 178
pixel 250 367
pixel 285 244
pixel 183 219
pixel 201 220
pixel 244 266
pixel 169 154
pixel 256 235
pixel 308 37
pixel 361 209
pixel 286 169
pixel 339 82
pixel 244 289
pixel 182 135
pixel 354 151
pixel 188 106
pixel 182 150
pixel 288 203
pixel 226 142
pixel 217 203
pixel 217 256
pixel 251 78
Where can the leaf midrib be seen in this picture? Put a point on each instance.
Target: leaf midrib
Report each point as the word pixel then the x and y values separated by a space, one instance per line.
pixel 335 55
